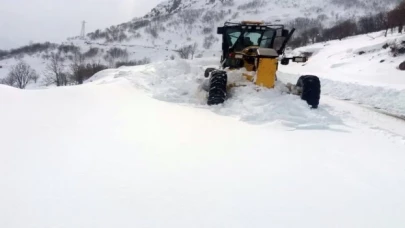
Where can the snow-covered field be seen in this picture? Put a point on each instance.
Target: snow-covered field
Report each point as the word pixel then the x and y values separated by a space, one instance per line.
pixel 138 147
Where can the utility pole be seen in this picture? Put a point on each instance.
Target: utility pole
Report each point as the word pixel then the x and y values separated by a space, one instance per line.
pixel 83 32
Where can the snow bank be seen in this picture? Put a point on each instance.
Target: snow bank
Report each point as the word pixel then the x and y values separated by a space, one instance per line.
pixel 106 154
pixel 179 82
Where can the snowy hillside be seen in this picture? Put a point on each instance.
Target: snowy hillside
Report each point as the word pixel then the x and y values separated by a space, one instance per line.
pixel 364 58
pixel 176 23
pixel 137 147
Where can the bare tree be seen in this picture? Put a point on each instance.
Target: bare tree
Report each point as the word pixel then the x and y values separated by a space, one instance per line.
pixel 396 17
pixel 153 31
pixel 193 49
pixel 339 31
pixel 77 69
pixel 35 78
pixel 311 34
pixel 209 41
pixel 382 21
pixel 116 54
pixel 20 75
pixel 367 24
pixel 185 51
pixel 54 71
pixel 8 81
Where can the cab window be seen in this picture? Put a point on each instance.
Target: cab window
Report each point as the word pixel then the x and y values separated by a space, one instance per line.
pixel 232 36
pixel 267 39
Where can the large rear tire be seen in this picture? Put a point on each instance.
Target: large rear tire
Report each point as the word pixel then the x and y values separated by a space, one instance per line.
pixel 217 92
pixel 311 89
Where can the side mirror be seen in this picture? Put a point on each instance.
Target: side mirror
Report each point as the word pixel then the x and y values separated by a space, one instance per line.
pixel 285 61
pixel 299 59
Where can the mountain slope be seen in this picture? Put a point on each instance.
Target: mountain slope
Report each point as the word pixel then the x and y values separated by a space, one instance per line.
pixel 178 22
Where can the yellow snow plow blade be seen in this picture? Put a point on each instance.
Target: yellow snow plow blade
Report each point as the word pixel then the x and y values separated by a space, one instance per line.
pixel 265 76
pixel 266 73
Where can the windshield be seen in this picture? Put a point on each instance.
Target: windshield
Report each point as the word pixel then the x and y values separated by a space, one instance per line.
pixel 252 38
pixel 262 38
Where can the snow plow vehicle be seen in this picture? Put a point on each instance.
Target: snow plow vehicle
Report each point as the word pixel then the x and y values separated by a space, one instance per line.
pixel 255 49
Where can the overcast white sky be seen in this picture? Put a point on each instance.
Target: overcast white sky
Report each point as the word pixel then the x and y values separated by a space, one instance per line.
pixel 22 21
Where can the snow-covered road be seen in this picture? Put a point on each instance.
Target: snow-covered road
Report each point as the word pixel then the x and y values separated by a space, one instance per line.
pixel 137 147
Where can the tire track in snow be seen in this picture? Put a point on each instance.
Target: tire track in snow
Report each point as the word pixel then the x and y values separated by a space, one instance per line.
pixel 385 100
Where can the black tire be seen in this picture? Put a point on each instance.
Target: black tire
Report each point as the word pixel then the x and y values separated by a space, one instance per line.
pixel 311 89
pixel 217 93
pixel 208 71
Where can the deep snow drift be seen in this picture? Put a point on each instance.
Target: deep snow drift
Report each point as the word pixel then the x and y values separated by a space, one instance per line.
pixel 137 147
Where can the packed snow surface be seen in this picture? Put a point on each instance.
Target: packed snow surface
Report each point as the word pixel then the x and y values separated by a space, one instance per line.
pixel 138 147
